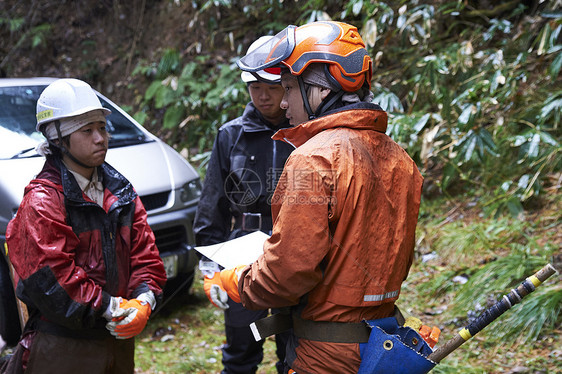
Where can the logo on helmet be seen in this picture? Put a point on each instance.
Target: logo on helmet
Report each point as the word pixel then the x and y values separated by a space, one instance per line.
pixel 44 115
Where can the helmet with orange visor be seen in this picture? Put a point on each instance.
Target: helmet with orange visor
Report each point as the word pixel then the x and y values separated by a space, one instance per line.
pixel 336 44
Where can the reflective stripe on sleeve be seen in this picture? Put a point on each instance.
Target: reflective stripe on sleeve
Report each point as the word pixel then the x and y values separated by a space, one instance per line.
pixel 388 295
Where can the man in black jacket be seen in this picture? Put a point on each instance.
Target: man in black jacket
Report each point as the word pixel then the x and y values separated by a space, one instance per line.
pixel 241 177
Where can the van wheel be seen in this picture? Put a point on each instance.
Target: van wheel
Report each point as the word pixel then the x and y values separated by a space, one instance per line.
pixel 9 320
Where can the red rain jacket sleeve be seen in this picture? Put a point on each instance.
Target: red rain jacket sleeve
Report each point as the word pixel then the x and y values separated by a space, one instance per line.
pixel 42 250
pixel 146 265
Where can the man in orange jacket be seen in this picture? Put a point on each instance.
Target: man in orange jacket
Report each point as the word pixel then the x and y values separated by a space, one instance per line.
pixel 242 173
pixel 345 208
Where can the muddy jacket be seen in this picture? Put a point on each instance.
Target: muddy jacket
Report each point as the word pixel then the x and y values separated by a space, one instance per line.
pixel 345 213
pixel 71 255
pixel 241 176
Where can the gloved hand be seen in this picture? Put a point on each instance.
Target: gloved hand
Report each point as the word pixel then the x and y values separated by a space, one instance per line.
pixel 229 279
pixel 114 310
pixel 214 291
pixel 135 317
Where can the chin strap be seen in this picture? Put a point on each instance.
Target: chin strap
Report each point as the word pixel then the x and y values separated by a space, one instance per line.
pixel 63 149
pixel 327 103
pixel 304 95
pixel 324 106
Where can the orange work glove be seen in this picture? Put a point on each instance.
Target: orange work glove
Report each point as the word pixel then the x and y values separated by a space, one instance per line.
pixel 113 309
pixel 133 320
pixel 215 292
pixel 430 335
pixel 229 280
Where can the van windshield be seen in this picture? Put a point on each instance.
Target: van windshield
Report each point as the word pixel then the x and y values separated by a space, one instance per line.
pixel 18 137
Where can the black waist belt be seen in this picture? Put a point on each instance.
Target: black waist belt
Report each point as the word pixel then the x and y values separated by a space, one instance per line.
pixel 320 331
pixel 253 222
pixel 334 332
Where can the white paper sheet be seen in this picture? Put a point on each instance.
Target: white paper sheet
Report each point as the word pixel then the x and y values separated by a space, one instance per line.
pixel 240 251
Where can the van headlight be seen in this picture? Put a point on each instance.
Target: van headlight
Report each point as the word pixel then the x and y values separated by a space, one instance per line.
pixel 190 191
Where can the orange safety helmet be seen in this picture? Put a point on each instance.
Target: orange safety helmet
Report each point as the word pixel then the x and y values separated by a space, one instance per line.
pixel 336 44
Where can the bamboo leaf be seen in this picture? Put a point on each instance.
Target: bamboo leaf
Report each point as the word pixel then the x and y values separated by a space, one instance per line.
pixel 470 147
pixel 555 66
pixel 534 145
pixel 370 33
pixel 546 138
pixel 356 9
pixel 420 124
pixel 519 140
pixel 465 115
pixel 523 181
pixel 544 36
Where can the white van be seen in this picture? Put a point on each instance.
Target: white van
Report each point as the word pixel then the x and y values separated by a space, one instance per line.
pixel 167 184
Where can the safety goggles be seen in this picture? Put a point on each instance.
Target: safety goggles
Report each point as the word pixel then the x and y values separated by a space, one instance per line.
pixel 270 54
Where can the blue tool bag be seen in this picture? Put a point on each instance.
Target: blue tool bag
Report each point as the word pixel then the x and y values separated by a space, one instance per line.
pixel 394 349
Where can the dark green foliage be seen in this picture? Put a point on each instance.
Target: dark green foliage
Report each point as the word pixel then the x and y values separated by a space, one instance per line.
pixel 471 98
pixel 196 100
pixel 473 93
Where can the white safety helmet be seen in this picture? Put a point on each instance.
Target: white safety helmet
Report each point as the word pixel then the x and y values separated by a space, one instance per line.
pixel 270 75
pixel 65 98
